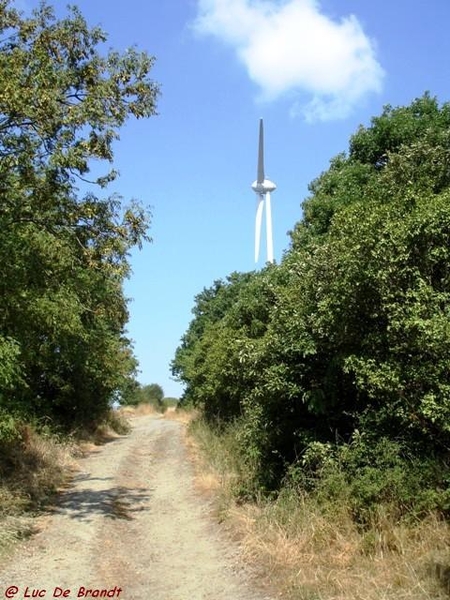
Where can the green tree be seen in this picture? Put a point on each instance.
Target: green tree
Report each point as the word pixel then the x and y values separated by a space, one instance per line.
pixel 193 357
pixel 64 255
pixel 152 394
pixel 404 152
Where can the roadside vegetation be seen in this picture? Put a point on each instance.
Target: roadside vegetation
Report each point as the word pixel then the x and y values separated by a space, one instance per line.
pixel 151 396
pixel 310 547
pixel 323 381
pixel 36 462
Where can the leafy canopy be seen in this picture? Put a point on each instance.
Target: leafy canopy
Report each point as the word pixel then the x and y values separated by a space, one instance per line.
pixel 342 350
pixel 64 255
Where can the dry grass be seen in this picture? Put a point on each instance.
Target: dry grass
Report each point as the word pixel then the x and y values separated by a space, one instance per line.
pixel 141 410
pixel 307 552
pixel 32 469
pixel 312 556
pixel 182 415
pixel 211 481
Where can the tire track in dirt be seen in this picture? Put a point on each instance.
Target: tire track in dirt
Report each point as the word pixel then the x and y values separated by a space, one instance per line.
pixel 132 521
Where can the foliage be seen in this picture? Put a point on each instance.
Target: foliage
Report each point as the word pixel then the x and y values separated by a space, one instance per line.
pixel 114 421
pixel 153 392
pixel 63 347
pixel 171 401
pixel 147 394
pixel 349 335
pixel 369 473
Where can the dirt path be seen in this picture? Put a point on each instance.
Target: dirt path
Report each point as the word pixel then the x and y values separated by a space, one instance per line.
pixel 131 527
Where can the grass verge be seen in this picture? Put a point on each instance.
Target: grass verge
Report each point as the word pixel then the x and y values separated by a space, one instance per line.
pixel 315 551
pixel 35 465
pixel 32 468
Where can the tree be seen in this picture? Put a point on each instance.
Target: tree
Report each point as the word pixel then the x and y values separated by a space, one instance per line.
pixel 404 152
pixel 369 286
pixel 64 256
pixel 152 394
pixel 194 356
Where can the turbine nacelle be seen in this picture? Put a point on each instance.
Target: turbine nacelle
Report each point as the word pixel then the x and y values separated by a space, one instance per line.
pixel 262 187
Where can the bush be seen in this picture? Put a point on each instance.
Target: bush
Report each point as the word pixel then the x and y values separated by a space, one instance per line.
pixel 9 427
pixel 368 475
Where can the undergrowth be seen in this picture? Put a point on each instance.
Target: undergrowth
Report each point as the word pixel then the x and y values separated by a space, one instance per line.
pixel 32 467
pixel 309 539
pixel 35 461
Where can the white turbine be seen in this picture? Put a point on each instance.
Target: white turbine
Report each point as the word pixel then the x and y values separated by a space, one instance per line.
pixel 263 187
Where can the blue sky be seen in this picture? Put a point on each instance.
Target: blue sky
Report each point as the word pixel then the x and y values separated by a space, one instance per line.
pixel 314 70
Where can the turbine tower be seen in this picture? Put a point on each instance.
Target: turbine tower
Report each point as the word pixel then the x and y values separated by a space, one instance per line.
pixel 263 187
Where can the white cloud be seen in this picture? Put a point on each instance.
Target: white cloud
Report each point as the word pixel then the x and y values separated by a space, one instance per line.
pixel 291 47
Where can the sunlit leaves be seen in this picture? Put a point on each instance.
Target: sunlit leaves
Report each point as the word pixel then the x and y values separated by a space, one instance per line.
pixel 64 256
pixel 351 331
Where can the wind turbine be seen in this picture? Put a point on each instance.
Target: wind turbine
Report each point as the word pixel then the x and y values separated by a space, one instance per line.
pixel 263 187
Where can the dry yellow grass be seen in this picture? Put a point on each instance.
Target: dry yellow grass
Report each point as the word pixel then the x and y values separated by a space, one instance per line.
pixel 32 469
pixel 185 416
pixel 316 557
pixel 148 409
pixel 140 410
pixel 207 481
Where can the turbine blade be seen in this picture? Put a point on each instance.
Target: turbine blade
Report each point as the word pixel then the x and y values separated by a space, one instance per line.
pixel 260 178
pixel 269 229
pixel 258 223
